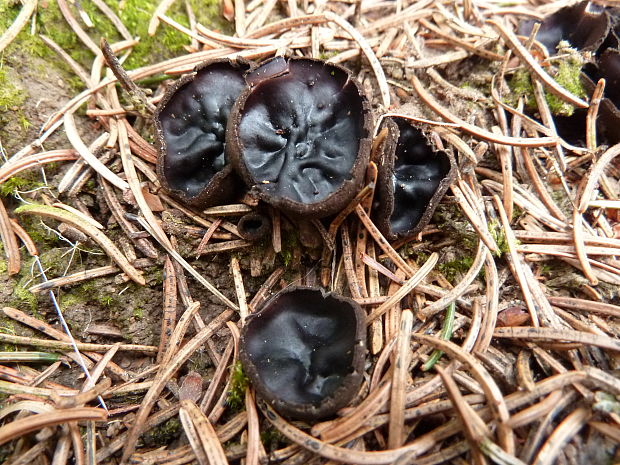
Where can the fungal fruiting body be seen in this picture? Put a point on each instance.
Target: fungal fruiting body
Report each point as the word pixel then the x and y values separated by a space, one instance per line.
pixel 190 124
pixel 587 27
pixel 299 135
pixel 413 177
pixel 304 352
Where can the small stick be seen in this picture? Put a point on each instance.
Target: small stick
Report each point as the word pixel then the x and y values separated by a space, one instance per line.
pixel 224 246
pixel 396 433
pixel 169 308
pixel 539 186
pixel 160 10
pixel 475 130
pixel 363 44
pixel 594 174
pixel 474 429
pixel 261 294
pixel 99 237
pixel 276 230
pixel 226 210
pixel 24 237
pixel 136 95
pixel 568 429
pixel 580 247
pixel 64 346
pixel 505 159
pixel 86 40
pixel 74 278
pixel 517 265
pixel 592 114
pixel 239 288
pixel 18 24
pixel 406 288
pixel 382 241
pixel 347 253
pixel 376 327
pixel 9 240
pixel 23 426
pixel 85 153
pixel 17 165
pixel 240 22
pixel 515 45
pixel 143 244
pixel 200 250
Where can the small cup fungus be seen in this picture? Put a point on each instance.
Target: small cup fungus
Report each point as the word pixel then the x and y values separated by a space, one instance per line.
pixel 413 177
pixel 253 226
pixel 304 352
pixel 190 124
pixel 299 135
pixel 584 25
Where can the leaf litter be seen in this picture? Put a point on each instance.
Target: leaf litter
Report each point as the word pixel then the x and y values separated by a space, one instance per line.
pixel 499 360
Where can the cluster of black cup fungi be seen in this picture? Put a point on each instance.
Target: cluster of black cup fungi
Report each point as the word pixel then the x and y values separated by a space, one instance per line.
pixel 587 27
pixel 295 133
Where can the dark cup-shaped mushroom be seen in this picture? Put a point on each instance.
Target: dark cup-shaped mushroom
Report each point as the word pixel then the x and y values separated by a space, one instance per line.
pixel 190 123
pixel 584 25
pixel 304 352
pixel 300 135
pixel 253 226
pixel 413 177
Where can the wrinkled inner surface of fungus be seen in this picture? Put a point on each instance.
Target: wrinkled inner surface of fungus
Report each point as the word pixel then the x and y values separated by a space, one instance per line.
pixel 194 125
pixel 302 346
pixel 418 170
pixel 300 129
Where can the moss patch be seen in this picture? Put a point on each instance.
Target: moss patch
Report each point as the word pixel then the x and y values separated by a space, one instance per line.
pixel 238 385
pixel 565 70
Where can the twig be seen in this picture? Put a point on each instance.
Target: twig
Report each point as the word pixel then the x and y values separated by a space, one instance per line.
pixel 513 42
pixel 399 378
pixel 32 423
pixel 18 24
pixel 99 237
pixel 9 241
pixel 406 288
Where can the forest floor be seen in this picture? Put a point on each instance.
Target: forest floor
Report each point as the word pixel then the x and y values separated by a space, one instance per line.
pixel 523 368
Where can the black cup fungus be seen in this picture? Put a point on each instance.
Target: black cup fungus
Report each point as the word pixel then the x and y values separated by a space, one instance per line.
pixel 413 177
pixel 253 226
pixel 304 352
pixel 190 123
pixel 299 135
pixel 584 26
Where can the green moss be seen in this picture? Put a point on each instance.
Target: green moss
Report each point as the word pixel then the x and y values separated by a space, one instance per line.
pixel 290 242
pixel 22 296
pixel 521 86
pixel 566 71
pixel 11 96
pixel 107 300
pixel 138 313
pixel 163 434
pixel 7 326
pixel 568 76
pixel 499 236
pixel 19 183
pixel 454 269
pixel 271 438
pixel 239 383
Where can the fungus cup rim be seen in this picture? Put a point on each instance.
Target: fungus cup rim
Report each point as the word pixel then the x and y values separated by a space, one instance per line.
pixel 340 197
pixel 385 187
pixel 224 184
pixel 350 383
